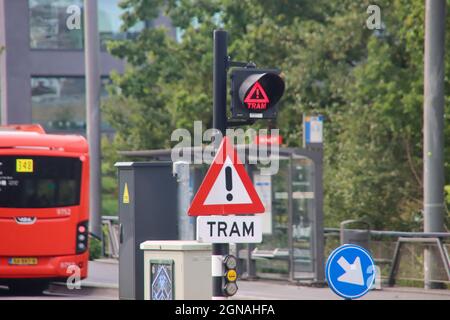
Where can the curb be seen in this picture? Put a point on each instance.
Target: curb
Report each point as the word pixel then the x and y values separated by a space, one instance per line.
pixel 437 292
pixel 92 284
pixel 244 297
pixel 108 291
pixel 107 261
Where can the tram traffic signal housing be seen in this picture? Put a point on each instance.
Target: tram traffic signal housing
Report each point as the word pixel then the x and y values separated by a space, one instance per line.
pixel 255 93
pixel 230 287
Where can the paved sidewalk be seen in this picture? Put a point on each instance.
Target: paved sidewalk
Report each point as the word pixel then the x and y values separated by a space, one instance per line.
pixel 276 290
pixel 104 274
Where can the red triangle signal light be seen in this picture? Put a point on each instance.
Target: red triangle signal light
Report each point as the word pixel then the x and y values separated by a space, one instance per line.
pixel 257 98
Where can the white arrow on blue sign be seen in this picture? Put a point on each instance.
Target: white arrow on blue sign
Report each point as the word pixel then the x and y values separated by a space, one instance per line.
pixel 350 271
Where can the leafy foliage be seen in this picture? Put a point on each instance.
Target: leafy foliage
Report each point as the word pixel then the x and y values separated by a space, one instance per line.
pixel 95 248
pixel 367 83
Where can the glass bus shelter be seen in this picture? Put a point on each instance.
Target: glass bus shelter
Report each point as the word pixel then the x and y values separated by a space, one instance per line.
pixel 293 240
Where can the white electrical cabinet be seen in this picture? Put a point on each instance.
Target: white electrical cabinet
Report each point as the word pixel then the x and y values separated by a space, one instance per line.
pixel 177 270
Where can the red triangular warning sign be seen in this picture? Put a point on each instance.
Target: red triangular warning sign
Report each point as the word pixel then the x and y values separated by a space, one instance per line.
pixel 256 95
pixel 226 188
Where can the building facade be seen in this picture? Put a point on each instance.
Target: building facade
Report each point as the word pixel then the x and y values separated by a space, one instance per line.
pixel 42 64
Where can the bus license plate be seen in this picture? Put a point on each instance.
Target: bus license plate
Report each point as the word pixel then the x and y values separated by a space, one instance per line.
pixel 23 261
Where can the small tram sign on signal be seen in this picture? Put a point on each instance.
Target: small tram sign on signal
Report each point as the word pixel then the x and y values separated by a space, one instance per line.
pixel 255 93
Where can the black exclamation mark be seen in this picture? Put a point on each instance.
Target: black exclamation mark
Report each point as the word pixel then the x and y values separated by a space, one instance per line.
pixel 228 182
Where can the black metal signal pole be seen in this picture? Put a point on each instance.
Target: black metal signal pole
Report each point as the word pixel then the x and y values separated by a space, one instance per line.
pixel 220 65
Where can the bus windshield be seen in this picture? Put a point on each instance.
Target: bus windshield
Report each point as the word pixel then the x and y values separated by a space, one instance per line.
pixel 39 181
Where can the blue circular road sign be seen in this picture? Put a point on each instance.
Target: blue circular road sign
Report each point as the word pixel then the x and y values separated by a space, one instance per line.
pixel 350 271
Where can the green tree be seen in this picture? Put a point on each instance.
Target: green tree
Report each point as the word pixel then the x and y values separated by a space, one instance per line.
pixel 367 83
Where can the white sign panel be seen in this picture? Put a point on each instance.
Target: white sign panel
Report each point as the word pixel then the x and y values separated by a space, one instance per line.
pixel 229 229
pixel 218 193
pixel 312 129
pixel 316 127
pixel 263 186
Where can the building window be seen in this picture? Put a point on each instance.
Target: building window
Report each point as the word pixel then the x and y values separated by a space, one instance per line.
pixel 110 23
pixel 52 25
pixel 59 103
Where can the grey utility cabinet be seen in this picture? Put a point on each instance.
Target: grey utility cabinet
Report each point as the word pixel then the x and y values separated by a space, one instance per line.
pixel 147 211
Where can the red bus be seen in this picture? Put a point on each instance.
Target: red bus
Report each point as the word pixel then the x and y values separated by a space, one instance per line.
pixel 44 207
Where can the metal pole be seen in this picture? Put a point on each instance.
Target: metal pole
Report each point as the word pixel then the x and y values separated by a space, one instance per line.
pixel 186 224
pixel 290 220
pixel 219 250
pixel 319 238
pixel 250 263
pixel 92 67
pixel 433 122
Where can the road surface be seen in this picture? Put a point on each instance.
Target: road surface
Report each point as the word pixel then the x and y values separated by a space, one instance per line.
pixel 102 284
